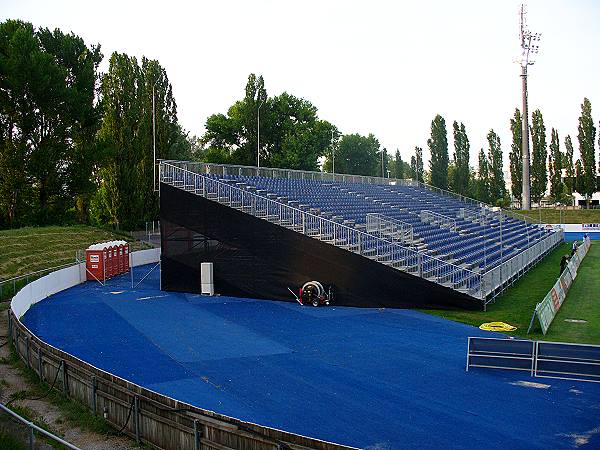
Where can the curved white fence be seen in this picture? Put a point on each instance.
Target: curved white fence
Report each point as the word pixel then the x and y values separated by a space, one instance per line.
pixel 66 278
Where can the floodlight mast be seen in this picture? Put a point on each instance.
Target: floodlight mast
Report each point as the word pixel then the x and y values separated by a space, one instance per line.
pixel 528 47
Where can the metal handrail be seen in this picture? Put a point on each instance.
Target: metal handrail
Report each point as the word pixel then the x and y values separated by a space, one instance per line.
pixel 438 219
pixel 274 172
pixel 427 266
pixel 27 276
pixel 33 427
pixel 376 220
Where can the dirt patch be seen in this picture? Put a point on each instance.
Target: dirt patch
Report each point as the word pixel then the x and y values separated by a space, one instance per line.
pixel 44 411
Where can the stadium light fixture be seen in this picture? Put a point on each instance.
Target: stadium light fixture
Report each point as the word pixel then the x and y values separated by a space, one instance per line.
pixel 528 48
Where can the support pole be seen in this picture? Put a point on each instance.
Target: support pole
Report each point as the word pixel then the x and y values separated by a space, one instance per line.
pixel 136 406
pixel 94 394
pixel 40 363
pixel 526 202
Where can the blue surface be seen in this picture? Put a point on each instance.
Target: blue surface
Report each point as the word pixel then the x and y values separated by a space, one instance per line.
pixel 369 378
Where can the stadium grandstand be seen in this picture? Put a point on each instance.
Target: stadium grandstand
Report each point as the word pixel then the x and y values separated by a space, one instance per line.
pixel 462 251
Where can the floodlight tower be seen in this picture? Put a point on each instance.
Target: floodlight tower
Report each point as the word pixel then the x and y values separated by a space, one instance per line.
pixel 528 48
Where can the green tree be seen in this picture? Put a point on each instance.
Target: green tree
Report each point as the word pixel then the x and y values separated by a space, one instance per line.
pixel 497 186
pixel 555 165
pixel 48 121
pixel 483 179
pixel 569 166
pixel 416 165
pixel 539 172
pixel 461 171
pixel 126 196
pixel 438 147
pixel 358 155
pixel 578 184
pixel 291 134
pixel 516 156
pixel 399 166
pixel 587 138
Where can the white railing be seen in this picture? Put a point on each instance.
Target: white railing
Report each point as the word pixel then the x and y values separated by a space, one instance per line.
pixel 438 219
pixel 393 229
pixel 326 230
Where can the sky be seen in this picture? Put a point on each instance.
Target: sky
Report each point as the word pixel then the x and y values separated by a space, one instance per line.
pixel 381 67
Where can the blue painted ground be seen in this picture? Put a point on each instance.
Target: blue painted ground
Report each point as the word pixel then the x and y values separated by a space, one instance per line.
pixel 369 378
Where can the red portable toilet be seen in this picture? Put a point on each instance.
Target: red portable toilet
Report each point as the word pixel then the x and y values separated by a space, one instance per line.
pixel 94 262
pixel 115 258
pixel 105 253
pixel 121 256
pixel 126 257
pixel 109 261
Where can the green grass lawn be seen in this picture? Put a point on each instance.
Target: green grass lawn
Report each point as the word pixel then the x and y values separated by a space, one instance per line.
pixel 516 305
pixel 26 250
pixel 551 215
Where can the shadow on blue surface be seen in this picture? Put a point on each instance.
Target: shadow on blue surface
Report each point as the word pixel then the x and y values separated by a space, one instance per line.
pixel 364 377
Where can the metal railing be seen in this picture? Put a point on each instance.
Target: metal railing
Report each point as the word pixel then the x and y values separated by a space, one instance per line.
pixel 393 229
pixel 268 172
pixel 32 428
pixel 438 219
pixel 291 174
pixel 498 278
pixel 326 230
pixel 10 286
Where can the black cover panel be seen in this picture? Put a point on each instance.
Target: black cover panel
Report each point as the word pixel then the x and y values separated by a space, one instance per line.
pixel 258 259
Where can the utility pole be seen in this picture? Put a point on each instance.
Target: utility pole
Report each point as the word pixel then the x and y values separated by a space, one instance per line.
pixel 528 47
pixel 382 172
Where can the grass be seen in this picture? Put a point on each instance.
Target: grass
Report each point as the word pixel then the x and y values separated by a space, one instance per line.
pixel 551 215
pixel 27 250
pixel 517 304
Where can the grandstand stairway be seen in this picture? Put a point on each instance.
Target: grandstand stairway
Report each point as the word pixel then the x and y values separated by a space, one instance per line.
pixel 464 246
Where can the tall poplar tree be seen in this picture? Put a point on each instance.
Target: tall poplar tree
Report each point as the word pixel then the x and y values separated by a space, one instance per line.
pixel 398 166
pixel 516 156
pixel 587 138
pixel 578 184
pixel 460 179
pixel 539 172
pixel 555 164
pixel 126 197
pixel 497 186
pixel 483 179
pixel 569 166
pixel 438 147
pixel 416 164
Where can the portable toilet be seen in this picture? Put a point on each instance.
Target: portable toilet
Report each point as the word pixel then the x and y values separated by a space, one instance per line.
pixel 126 257
pixel 95 262
pixel 110 261
pixel 121 257
pixel 115 258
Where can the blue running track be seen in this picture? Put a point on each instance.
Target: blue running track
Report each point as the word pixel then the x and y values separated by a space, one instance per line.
pixel 380 379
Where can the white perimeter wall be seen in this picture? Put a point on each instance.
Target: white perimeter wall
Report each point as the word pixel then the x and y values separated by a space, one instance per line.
pixel 66 278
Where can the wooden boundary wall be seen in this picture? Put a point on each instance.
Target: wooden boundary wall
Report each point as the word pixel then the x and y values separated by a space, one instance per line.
pixel 150 418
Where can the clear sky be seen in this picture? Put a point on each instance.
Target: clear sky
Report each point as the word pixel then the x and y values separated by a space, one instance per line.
pixel 381 67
